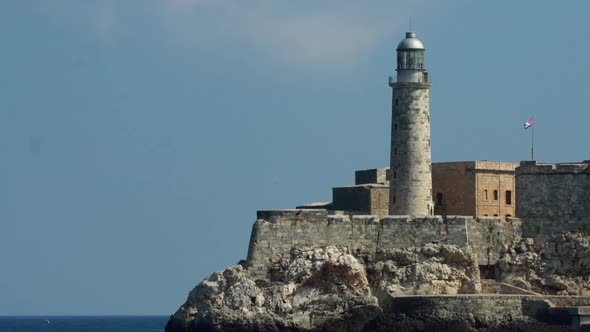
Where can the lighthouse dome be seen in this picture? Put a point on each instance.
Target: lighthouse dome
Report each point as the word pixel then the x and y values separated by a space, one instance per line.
pixel 410 42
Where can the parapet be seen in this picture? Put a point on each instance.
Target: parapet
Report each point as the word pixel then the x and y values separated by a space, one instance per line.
pixel 374 175
pixel 534 167
pixel 275 216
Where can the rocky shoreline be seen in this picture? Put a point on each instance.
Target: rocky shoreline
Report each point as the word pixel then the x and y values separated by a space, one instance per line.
pixel 435 286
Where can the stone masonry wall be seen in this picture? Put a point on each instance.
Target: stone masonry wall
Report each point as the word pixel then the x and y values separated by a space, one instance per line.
pixel 276 233
pixel 553 198
pixel 410 164
pixel 368 198
pixel 553 190
pixel 374 175
pixel 542 229
pixel 489 310
pixel 488 236
pixel 456 185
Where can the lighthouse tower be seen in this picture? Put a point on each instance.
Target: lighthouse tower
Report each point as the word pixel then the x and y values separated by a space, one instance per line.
pixel 410 190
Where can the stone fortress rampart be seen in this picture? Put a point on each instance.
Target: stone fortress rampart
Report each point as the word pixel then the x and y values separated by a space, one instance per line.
pixel 553 198
pixel 276 233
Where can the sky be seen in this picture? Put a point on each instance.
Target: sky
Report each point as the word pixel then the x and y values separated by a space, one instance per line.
pixel 138 138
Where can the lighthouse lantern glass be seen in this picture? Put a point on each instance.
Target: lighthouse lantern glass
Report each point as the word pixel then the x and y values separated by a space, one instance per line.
pixel 410 59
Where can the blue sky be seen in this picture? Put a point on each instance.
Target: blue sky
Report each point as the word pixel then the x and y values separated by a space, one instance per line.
pixel 139 137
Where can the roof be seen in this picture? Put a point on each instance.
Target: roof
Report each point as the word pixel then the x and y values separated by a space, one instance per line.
pixel 410 42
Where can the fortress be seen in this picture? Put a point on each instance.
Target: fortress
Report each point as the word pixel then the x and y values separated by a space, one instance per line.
pixel 388 260
pixel 550 198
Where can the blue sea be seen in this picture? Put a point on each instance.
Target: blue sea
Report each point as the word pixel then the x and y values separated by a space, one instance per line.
pixel 83 323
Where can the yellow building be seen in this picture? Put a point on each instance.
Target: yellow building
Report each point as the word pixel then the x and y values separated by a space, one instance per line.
pixel 474 188
pixel 465 188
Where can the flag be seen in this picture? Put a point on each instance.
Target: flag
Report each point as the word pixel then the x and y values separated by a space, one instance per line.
pixel 528 124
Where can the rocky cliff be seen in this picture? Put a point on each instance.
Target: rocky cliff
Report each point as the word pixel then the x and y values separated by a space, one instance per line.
pixel 561 266
pixel 332 289
pixel 327 289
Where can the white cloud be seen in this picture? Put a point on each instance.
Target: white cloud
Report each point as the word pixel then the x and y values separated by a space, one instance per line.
pixel 326 35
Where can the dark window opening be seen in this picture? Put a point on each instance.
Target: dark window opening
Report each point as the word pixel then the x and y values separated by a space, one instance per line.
pixel 495 195
pixel 396 102
pixel 485 195
pixel 439 199
pixel 487 272
pixel 395 126
pixel 393 200
pixel 394 175
pixel 495 215
pixel 508 216
pixel 508 197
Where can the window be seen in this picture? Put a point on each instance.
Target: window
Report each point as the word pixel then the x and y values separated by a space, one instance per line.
pixel 495 215
pixel 508 197
pixel 439 199
pixel 393 200
pixel 507 216
pixel 485 195
pixel 495 195
pixel 395 101
pixel 395 175
pixel 485 215
pixel 395 126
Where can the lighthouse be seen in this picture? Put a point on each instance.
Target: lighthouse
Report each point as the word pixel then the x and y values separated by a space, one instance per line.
pixel 410 190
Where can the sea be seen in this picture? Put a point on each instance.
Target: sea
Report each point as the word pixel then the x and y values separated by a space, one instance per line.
pixel 83 323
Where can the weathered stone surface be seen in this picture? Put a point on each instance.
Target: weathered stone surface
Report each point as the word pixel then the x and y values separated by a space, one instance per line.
pixel 361 291
pixel 411 184
pixel 561 266
pixel 430 269
pixel 306 297
pixel 553 191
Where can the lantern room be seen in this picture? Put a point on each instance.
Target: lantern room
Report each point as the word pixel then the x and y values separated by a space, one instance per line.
pixel 410 60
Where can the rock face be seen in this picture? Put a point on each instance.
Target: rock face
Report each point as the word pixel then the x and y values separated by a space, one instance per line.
pixel 325 289
pixel 432 269
pixel 332 289
pixel 561 266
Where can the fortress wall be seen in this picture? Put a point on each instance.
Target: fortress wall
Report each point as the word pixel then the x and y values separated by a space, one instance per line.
pixel 553 198
pixel 490 310
pixel 542 229
pixel 553 191
pixel 275 233
pixel 488 236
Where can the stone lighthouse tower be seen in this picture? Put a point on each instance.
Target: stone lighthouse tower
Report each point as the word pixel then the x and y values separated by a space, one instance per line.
pixel 410 190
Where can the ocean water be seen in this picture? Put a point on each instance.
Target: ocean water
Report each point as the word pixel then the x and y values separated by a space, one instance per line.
pixel 83 323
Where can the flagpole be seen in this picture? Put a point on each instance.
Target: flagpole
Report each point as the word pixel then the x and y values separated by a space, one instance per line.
pixel 533 142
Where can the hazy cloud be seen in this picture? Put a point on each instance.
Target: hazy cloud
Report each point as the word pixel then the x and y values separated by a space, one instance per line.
pixel 329 35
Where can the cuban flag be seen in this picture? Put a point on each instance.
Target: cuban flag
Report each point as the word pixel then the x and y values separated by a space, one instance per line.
pixel 528 124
